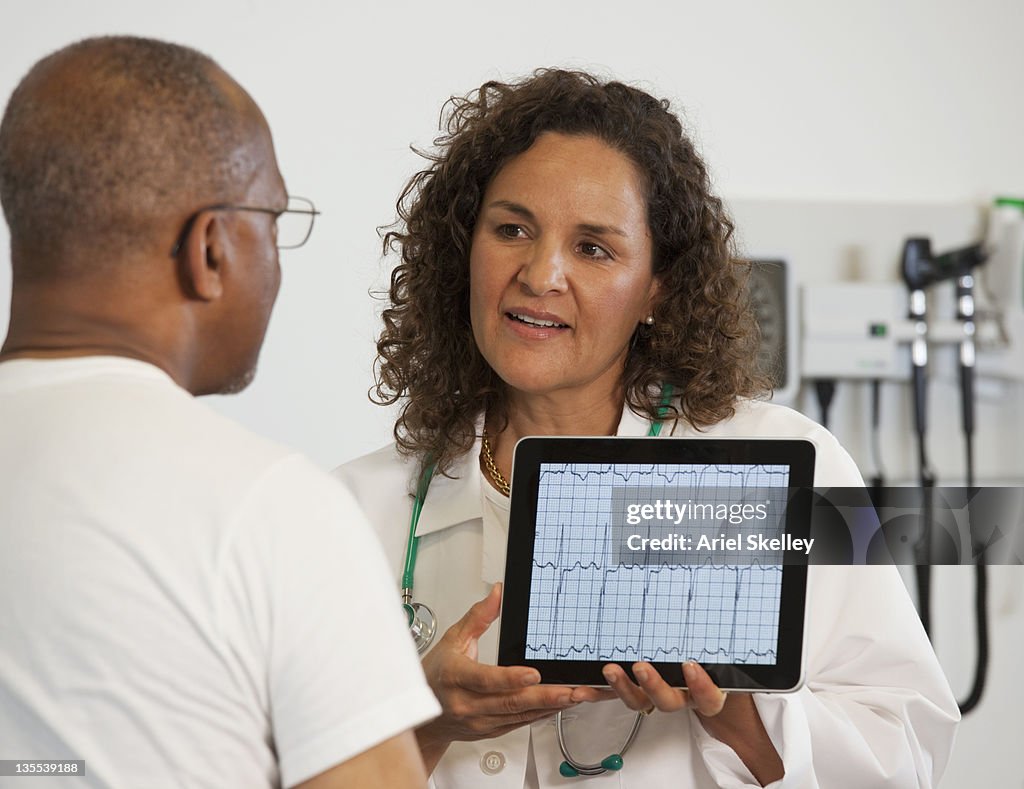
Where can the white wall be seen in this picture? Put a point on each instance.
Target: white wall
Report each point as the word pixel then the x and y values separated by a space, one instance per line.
pixel 912 102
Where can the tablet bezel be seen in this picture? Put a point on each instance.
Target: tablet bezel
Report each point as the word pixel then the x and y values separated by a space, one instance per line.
pixel 799 454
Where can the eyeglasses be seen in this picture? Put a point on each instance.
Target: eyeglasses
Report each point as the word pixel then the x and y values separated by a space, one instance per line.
pixel 293 224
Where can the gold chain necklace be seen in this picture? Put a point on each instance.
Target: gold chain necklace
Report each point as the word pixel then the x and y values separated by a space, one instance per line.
pixel 492 467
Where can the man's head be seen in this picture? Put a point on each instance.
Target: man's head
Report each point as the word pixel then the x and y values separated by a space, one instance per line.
pixel 110 149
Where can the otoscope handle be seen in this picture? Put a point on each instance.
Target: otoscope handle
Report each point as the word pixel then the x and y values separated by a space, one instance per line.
pixel 920 402
pixel 967 398
pixel 923 550
pixel 965 314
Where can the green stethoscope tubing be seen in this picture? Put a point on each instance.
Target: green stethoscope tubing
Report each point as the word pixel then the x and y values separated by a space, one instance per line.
pixel 424 629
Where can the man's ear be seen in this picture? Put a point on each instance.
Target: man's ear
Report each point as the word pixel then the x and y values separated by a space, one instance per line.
pixel 203 256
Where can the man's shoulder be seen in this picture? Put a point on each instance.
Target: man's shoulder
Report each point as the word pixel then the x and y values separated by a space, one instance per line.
pixel 213 442
pixel 261 468
pixel 135 410
pixel 126 404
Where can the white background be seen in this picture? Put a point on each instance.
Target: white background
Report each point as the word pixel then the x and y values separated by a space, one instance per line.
pixel 901 104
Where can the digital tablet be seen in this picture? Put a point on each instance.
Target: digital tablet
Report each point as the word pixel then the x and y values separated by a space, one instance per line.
pixel 661 550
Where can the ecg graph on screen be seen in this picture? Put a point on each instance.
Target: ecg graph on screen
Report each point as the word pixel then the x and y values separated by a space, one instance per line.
pixel 586 606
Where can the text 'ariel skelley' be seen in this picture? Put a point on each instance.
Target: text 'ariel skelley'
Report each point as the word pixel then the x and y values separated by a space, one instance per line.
pixel 665 510
pixel 752 542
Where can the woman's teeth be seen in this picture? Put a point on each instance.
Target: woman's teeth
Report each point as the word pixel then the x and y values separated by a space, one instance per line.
pixel 537 322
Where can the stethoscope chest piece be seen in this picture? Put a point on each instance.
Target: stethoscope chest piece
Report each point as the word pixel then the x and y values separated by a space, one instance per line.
pixel 422 624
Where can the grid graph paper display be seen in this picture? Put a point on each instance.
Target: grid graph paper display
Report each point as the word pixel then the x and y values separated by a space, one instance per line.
pixel 588 602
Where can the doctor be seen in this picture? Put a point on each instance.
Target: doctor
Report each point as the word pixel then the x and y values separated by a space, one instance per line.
pixel 562 260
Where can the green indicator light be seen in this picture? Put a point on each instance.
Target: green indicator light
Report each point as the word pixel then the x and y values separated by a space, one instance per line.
pixel 878 330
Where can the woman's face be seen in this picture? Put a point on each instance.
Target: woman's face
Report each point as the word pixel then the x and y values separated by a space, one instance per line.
pixel 561 267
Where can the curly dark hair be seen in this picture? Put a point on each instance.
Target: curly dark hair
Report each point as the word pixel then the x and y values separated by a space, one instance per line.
pixel 704 338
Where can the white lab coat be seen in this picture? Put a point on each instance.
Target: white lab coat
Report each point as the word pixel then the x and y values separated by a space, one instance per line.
pixel 876 710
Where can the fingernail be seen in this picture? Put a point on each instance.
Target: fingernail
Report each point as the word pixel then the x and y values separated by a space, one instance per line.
pixel 531 679
pixel 608 674
pixel 690 670
pixel 641 672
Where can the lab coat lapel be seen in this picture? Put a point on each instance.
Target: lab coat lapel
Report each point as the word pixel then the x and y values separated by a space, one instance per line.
pixel 495 547
pixel 455 500
pixel 632 425
pixel 452 500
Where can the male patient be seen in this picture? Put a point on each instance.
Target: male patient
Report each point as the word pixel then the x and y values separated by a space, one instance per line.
pixel 181 602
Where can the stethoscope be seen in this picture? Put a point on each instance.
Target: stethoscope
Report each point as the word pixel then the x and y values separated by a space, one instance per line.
pixel 423 622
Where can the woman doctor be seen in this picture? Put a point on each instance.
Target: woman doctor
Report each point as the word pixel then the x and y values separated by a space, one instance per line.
pixel 562 261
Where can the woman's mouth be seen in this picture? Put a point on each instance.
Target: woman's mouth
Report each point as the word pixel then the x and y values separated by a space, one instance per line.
pixel 540 323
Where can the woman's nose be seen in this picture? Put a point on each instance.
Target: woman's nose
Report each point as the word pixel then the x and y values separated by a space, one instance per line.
pixel 544 270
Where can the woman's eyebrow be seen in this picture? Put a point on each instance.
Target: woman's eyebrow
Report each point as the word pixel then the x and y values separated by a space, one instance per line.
pixel 588 227
pixel 516 208
pixel 602 230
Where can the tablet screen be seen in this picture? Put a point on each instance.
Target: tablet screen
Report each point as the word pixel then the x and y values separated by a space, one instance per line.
pixel 598 591
pixel 660 550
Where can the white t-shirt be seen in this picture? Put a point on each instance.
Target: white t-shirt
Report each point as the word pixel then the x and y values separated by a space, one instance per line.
pixel 183 602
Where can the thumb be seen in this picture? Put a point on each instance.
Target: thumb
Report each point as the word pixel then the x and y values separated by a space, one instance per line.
pixel 480 616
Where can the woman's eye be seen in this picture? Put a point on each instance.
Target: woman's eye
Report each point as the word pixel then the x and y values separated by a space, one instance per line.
pixel 593 250
pixel 511 231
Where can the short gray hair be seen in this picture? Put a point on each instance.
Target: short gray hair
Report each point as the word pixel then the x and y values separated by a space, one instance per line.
pixel 103 141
